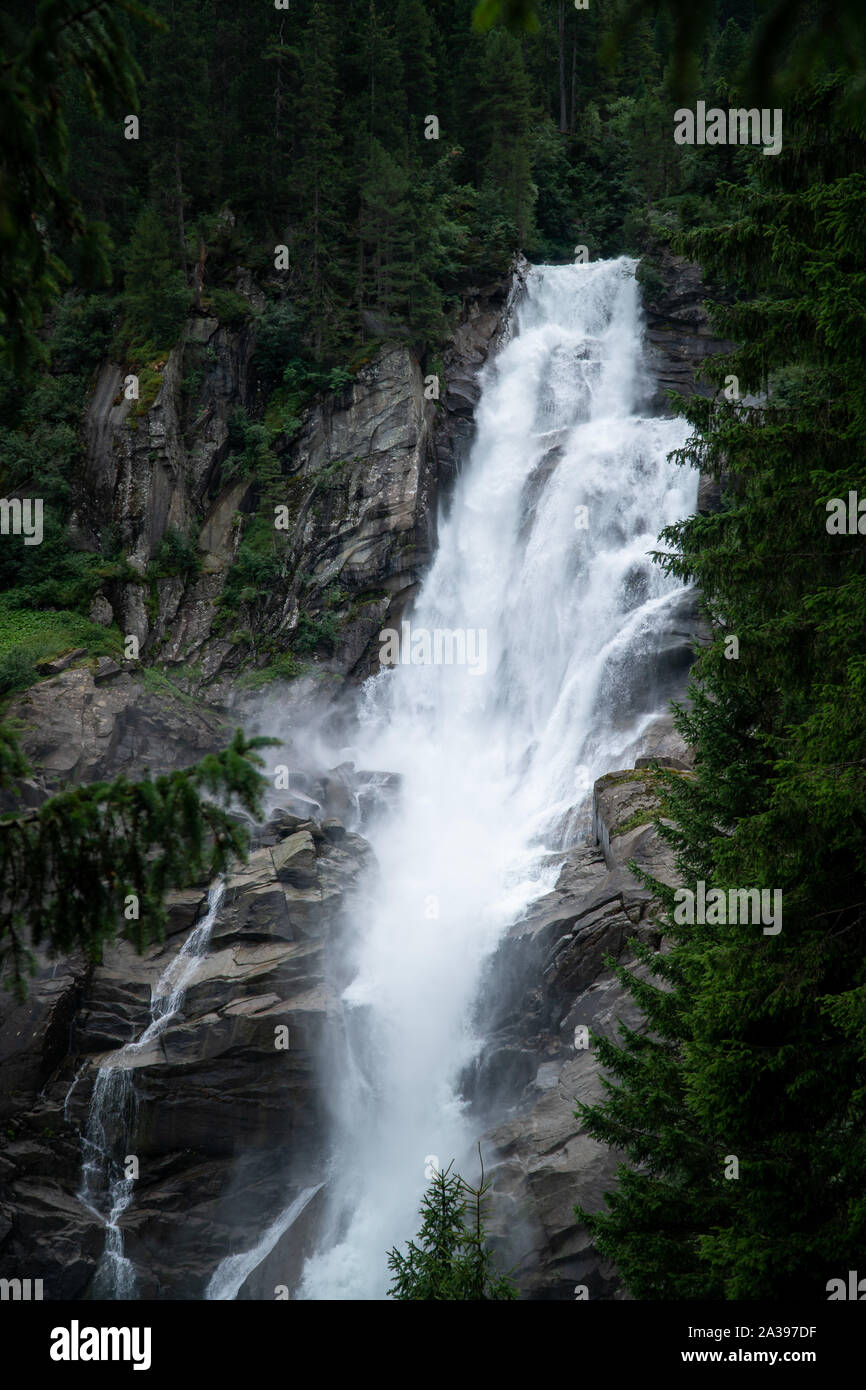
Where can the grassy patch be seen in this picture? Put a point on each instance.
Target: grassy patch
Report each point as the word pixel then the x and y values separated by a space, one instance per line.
pixel 643 817
pixel 149 383
pixel 615 779
pixel 283 668
pixel 28 636
pixel 156 682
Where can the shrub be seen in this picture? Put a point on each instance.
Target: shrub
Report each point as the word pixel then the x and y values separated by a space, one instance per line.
pixel 312 633
pixel 650 281
pixel 230 308
pixel 177 554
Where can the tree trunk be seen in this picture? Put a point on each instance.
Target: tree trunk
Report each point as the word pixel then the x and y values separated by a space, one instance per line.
pixel 316 295
pixel 563 110
pixel 198 274
pixel 178 186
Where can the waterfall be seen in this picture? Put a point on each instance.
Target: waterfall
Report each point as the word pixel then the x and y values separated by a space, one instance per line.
pixel 232 1272
pixel 105 1187
pixel 554 617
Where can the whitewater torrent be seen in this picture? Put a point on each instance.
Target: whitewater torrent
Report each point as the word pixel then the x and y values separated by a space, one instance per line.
pixel 105 1187
pixel 231 1272
pixel 545 553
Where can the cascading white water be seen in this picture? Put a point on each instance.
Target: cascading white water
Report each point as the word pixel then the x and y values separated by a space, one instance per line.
pixel 545 551
pixel 105 1187
pixel 231 1272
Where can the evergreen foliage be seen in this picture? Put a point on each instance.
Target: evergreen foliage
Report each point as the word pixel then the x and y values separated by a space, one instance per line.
pixel 156 297
pixel 87 39
pixel 450 1260
pixel 756 1042
pixel 95 862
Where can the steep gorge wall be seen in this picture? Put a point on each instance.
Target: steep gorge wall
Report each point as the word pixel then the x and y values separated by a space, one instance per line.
pixel 365 475
pixel 548 988
pixel 227 1127
pixel 220 1111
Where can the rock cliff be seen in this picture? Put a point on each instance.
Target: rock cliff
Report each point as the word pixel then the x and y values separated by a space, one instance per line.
pixel 227 1123
pixel 228 1129
pixel 547 992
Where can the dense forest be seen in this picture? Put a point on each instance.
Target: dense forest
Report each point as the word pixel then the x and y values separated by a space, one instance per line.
pixel 365 170
pixel 372 163
pixel 370 166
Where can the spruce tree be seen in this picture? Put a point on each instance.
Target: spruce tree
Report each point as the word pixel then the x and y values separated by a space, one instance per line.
pixel 450 1260
pixel 755 1042
pixel 318 177
pixel 413 29
pixel 88 40
pixel 156 296
pixel 94 862
pixel 503 112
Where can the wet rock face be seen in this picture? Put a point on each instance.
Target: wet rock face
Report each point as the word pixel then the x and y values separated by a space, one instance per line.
pixel 361 495
pixel 547 989
pixel 230 1129
pixel 152 465
pixel 362 486
pixel 367 476
pixel 97 719
pixel 483 328
pixel 679 334
pixel 226 1120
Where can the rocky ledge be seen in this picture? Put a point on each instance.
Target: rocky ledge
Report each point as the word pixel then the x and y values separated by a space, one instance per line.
pixel 547 991
pixel 227 1123
pixel 361 482
pixel 679 335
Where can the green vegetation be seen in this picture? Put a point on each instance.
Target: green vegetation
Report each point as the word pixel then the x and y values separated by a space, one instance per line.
pixel 312 633
pixel 541 145
pixel 641 817
pixel 137 839
pixel 330 477
pixel 282 668
pixel 756 1044
pixel 450 1260
pixel 156 296
pixel 28 637
pixel 178 554
pixel 231 309
pixel 158 682
pixel 90 41
pixel 327 148
pixel 250 454
pixel 260 564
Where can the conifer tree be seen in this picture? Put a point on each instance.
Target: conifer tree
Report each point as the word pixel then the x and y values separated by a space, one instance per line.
pixel 317 173
pixel 179 117
pixel 504 119
pixel 95 862
pixel 755 1042
pixel 86 38
pixel 414 37
pixel 450 1260
pixel 156 294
